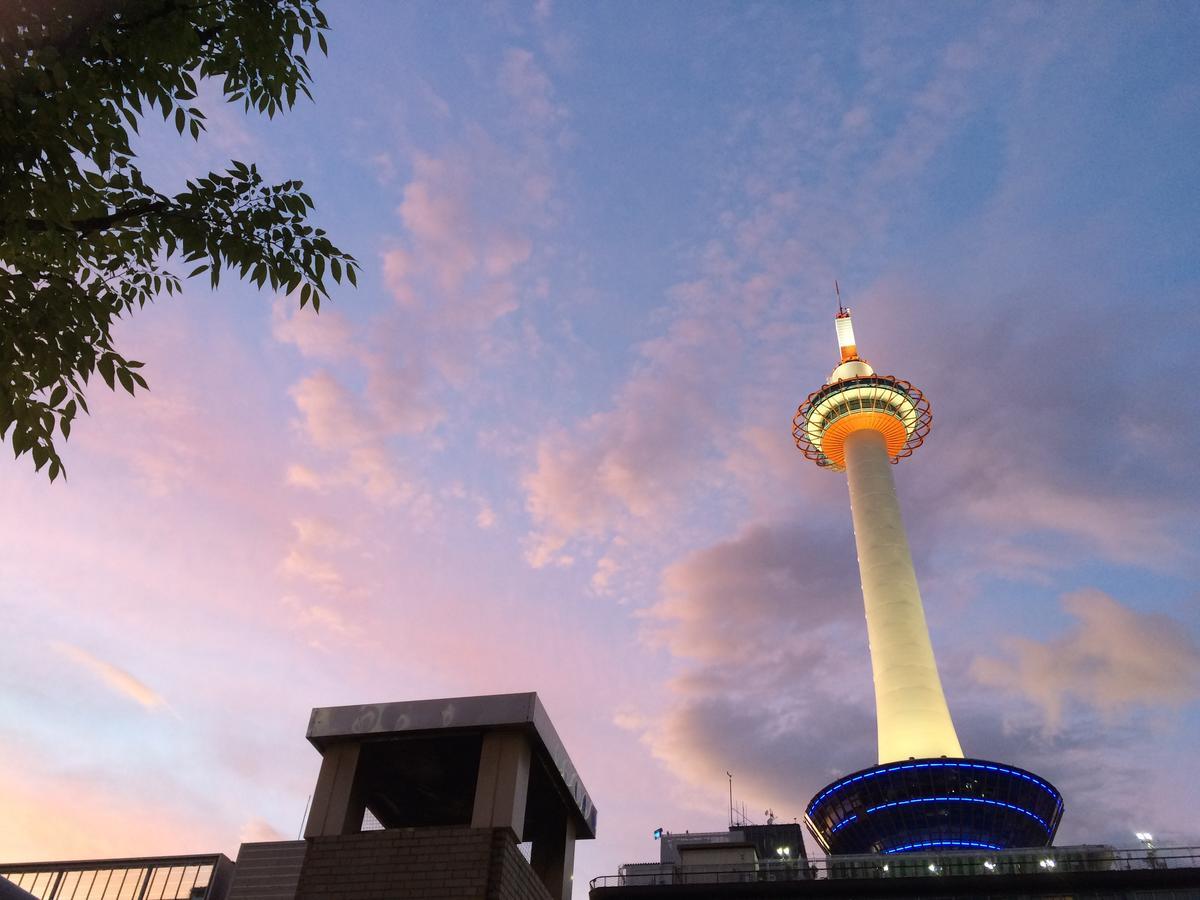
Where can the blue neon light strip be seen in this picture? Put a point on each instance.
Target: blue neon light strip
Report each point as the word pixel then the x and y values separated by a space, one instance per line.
pixel 960 800
pixel 935 765
pixel 943 844
pixel 842 824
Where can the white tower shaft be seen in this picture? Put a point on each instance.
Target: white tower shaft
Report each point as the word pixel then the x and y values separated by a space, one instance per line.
pixel 911 710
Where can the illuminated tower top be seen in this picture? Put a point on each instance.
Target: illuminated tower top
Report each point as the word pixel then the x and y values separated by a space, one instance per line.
pixel 857 399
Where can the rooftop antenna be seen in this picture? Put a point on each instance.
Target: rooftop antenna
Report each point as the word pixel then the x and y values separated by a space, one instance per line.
pixel 303 817
pixel 730 774
pixel 842 311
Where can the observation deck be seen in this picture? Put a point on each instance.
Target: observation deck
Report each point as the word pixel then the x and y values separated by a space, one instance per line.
pixel 880 403
pixel 923 805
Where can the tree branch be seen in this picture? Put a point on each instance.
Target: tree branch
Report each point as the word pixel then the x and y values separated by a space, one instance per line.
pixel 100 223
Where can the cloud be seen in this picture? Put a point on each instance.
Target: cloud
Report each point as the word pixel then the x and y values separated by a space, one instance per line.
pixel 308 557
pixel 766 628
pixel 258 829
pixel 332 415
pixel 767 735
pixel 456 271
pixel 459 256
pixel 632 463
pixel 114 678
pixel 435 210
pixel 606 570
pixel 755 594
pixel 299 564
pixel 327 336
pixel 1114 658
pixel 336 421
pixel 322 623
pixel 528 85
pixel 486 517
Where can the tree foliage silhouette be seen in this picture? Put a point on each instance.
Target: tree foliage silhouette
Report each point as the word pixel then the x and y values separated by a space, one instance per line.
pixel 84 239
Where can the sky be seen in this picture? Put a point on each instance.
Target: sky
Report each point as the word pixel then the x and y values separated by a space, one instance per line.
pixel 546 444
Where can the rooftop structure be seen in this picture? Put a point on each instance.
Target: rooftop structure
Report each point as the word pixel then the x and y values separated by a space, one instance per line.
pixel 1056 873
pixel 466 798
pixel 202 877
pixel 923 795
pixel 471 774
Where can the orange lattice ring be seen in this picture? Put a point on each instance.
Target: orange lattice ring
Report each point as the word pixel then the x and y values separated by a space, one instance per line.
pixel 823 440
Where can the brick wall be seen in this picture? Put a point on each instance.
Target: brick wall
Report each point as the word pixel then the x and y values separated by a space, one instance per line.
pixel 267 871
pixel 512 878
pixel 434 863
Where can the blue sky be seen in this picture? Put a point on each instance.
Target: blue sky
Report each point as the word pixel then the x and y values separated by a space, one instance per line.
pixel 546 444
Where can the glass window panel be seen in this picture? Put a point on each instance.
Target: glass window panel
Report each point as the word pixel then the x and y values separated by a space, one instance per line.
pixel 86 878
pixel 158 883
pixel 118 888
pixel 112 886
pixel 112 881
pixel 190 875
pixel 174 876
pixel 67 886
pixel 133 884
pixel 42 884
pixel 205 876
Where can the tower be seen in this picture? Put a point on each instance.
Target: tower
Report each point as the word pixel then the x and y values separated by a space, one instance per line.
pixel 924 794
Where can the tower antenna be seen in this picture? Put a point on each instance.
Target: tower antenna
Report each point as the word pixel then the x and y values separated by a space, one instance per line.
pixel 837 290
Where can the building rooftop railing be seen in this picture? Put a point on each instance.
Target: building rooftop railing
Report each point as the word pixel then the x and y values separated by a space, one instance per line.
pixel 949 864
pixel 194 877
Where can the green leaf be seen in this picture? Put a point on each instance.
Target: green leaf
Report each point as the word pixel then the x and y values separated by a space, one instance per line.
pixel 67 119
pixel 107 369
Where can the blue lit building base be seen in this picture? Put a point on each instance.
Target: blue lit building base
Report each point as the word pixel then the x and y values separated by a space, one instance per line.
pixel 934 804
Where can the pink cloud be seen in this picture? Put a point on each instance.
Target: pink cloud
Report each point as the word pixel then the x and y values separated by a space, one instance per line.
pixel 528 85
pixel 454 276
pixel 1114 658
pixel 113 677
pixel 258 829
pixel 436 212
pixel 332 417
pixel 327 336
pixel 336 421
pixel 635 462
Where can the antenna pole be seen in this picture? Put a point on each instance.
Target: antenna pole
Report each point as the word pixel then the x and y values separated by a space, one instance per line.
pixel 303 816
pixel 730 774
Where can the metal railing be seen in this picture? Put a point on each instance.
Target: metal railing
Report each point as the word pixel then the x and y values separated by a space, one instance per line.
pixel 949 864
pixel 197 877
